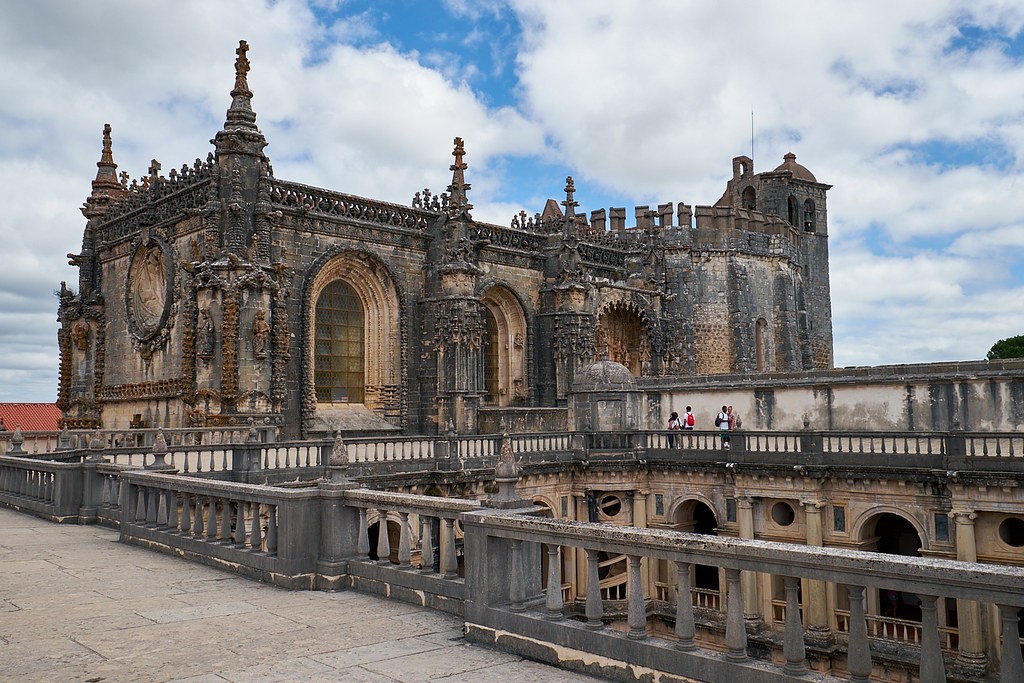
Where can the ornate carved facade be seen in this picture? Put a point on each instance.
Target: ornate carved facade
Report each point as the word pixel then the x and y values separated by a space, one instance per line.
pixel 220 294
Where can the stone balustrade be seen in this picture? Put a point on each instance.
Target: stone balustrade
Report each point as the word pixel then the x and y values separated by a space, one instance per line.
pixel 502 569
pixel 506 604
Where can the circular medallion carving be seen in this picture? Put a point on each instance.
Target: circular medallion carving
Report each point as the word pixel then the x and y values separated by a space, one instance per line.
pixel 148 291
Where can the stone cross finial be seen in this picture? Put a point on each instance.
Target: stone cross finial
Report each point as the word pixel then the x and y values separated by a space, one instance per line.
pixel 242 62
pixel 458 202
pixel 154 169
pixel 570 204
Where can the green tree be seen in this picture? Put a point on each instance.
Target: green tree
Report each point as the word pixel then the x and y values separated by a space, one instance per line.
pixel 1012 347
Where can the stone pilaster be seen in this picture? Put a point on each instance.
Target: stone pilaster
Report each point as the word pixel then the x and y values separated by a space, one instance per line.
pixel 748 580
pixel 971 656
pixel 815 600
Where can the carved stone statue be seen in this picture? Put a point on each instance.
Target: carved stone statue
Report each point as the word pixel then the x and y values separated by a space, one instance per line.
pixel 80 335
pixel 205 334
pixel 149 289
pixel 260 334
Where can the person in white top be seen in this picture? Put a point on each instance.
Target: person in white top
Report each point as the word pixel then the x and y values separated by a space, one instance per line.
pixel 722 422
pixel 688 424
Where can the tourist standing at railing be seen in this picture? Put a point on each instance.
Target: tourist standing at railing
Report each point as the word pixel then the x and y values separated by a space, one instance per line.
pixel 673 425
pixel 689 423
pixel 722 422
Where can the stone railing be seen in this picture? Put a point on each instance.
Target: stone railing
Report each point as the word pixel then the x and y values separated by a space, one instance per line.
pixel 487 564
pixel 268 533
pixel 508 606
pixel 325 202
pixel 39 443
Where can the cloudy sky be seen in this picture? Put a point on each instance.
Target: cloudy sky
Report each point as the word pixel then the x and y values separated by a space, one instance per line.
pixel 914 111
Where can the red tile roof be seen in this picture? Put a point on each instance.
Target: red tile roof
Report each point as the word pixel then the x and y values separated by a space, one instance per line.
pixel 31 417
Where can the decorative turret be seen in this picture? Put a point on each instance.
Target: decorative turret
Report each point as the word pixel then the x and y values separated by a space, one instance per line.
pixel 105 188
pixel 458 203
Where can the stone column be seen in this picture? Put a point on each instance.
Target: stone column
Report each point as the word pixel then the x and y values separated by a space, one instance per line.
pixel 815 600
pixel 971 656
pixel 748 580
pixel 580 507
pixel 640 521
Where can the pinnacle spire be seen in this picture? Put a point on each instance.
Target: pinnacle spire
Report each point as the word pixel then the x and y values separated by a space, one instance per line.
pixel 570 204
pixel 106 169
pixel 240 113
pixel 458 203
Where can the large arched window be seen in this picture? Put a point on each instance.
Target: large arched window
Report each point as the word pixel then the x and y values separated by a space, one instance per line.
pixel 492 354
pixel 504 347
pixel 339 357
pixel 353 341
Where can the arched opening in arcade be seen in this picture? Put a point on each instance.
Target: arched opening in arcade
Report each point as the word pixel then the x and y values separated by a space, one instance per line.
pixel 697 517
pixel 893 534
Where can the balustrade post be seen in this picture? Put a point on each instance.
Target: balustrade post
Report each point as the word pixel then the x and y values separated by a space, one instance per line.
pixel 197 528
pixel 404 542
pixel 636 611
pixel 363 542
pixel 517 583
pixel 240 524
pixel 186 513
pixel 932 667
pixel 554 596
pixel 793 645
pixel 152 503
pixel 858 653
pixel 426 545
pixel 272 530
pixel 115 491
pixel 211 520
pixel 735 630
pixel 161 508
pixel 256 532
pixel 171 507
pixel 685 629
pixel 383 542
pixel 140 505
pixel 1011 667
pixel 595 606
pixel 449 562
pixel 225 522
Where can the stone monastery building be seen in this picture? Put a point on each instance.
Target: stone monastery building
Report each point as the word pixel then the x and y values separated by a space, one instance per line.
pixel 216 294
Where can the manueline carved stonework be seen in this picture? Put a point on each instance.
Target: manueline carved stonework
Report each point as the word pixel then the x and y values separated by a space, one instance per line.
pixel 192 273
pixel 149 300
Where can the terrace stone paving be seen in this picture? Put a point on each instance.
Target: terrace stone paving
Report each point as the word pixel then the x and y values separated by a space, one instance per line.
pixel 76 605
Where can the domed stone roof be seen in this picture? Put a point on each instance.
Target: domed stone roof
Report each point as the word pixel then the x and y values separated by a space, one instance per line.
pixel 799 172
pixel 606 374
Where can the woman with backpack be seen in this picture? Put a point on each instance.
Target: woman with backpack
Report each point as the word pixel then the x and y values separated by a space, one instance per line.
pixel 673 425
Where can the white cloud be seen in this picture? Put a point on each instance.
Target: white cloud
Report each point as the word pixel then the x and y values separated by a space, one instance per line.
pixel 641 102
